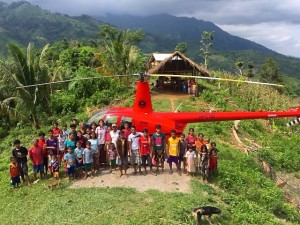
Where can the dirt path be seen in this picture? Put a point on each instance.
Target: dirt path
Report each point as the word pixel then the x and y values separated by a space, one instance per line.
pixel 162 182
pixel 172 97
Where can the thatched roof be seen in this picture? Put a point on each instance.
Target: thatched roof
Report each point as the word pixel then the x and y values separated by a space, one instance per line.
pixel 175 63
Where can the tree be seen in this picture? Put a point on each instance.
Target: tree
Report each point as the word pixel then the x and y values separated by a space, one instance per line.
pixel 118 50
pixel 26 68
pixel 269 71
pixel 181 47
pixel 206 45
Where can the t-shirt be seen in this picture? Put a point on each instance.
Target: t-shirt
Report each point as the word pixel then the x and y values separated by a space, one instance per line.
pixel 42 143
pixel 88 155
pixel 191 139
pixel 134 139
pixel 112 154
pixel 107 137
pixel 54 165
pixel 13 170
pixel 68 143
pixel 52 143
pixel 122 145
pixel 100 132
pixel 173 146
pixel 56 131
pixel 20 154
pixel 114 136
pixel 182 146
pixel 61 142
pixel 144 145
pixel 36 155
pixel 78 152
pixel 94 144
pixel 82 141
pixel 127 132
pixel 65 133
pixel 158 141
pixel 70 158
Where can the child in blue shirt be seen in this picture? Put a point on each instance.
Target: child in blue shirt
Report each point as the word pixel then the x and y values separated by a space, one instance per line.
pixel 79 160
pixel 70 160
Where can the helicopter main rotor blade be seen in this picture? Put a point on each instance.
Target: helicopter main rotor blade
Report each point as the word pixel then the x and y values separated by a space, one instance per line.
pixel 70 80
pixel 215 78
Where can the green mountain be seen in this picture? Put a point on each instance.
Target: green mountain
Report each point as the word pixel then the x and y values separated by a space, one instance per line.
pixel 22 22
pixel 167 30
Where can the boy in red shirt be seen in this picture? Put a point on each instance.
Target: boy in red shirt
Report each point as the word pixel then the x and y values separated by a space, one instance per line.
pixel 36 156
pixel 55 129
pixel 14 172
pixel 144 142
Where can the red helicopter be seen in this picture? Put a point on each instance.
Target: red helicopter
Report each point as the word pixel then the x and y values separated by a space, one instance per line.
pixel 143 116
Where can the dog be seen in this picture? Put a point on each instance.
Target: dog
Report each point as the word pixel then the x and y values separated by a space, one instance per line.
pixel 204 211
pixel 55 183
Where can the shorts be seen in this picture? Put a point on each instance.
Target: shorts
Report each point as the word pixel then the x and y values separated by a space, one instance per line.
pixel 173 159
pixel 23 168
pixel 148 159
pixel 181 157
pixel 88 166
pixel 112 162
pixel 79 165
pixel 71 170
pixel 135 157
pixel 56 174
pixel 123 161
pixel 159 155
pixel 38 168
pixel 15 180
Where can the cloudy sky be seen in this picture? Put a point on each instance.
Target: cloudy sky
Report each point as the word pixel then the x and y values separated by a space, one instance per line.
pixel 272 23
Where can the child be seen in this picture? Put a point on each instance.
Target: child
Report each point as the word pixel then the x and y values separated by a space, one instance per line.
pixel 112 152
pixel 144 142
pixel 55 166
pixel 79 161
pixel 208 144
pixel 14 172
pixel 94 145
pixel 213 162
pixel 173 151
pixel 88 156
pixel 203 162
pixel 70 163
pixel 190 161
pixel 61 146
pixel 36 156
pixel 122 152
pixel 182 152
pixel 55 129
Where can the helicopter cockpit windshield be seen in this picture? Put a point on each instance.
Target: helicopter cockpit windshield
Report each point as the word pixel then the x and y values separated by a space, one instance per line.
pixel 97 116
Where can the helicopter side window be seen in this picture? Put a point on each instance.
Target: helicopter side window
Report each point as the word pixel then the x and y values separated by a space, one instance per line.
pixel 96 117
pixel 109 120
pixel 123 120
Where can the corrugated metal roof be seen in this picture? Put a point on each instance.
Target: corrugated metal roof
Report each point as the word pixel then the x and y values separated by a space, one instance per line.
pixel 162 56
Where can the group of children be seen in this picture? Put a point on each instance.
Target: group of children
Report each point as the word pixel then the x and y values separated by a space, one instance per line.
pixel 81 152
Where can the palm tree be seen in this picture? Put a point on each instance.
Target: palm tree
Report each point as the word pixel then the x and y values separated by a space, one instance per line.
pixel 27 69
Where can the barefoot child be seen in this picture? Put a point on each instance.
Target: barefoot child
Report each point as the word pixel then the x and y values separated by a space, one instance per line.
pixel 190 161
pixel 173 151
pixel 14 172
pixel 203 162
pixel 213 162
pixel 112 153
pixel 79 160
pixel 182 152
pixel 36 157
pixel 55 166
pixel 122 152
pixel 70 163
pixel 144 143
pixel 88 159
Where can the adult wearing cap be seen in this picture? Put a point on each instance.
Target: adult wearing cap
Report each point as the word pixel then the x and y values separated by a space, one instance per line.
pixel 114 133
pixel 159 142
pixel 21 153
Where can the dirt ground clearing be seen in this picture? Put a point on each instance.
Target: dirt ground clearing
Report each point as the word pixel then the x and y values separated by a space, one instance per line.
pixel 162 182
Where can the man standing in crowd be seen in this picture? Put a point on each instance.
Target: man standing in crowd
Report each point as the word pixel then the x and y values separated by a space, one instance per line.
pixel 133 144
